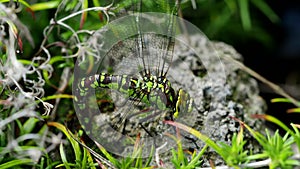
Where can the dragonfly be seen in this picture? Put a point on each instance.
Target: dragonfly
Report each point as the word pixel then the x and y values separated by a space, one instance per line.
pixel 133 92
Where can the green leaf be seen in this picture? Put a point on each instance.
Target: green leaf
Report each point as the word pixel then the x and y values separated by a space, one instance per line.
pixel 294 110
pixel 44 5
pixel 114 161
pixel 30 124
pixel 15 163
pixel 21 1
pixel 195 160
pixel 264 7
pixel 63 156
pixel 245 15
pixel 284 100
pixel 218 22
pixel 56 96
pixel 74 144
pixel 292 162
pixel 275 121
pixel 199 135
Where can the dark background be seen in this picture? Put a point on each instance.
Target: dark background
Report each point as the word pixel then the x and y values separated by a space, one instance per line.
pixel 281 63
pixel 273 53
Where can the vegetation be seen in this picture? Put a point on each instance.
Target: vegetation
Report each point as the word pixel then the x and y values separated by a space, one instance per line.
pixel 39 44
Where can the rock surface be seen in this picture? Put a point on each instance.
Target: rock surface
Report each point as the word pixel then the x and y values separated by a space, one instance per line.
pixel 220 90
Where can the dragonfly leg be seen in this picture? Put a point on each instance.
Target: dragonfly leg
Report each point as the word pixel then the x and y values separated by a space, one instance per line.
pixel 148 132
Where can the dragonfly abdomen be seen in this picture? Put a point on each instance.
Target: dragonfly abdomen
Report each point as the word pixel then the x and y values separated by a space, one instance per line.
pixel 104 80
pixel 149 90
pixel 116 82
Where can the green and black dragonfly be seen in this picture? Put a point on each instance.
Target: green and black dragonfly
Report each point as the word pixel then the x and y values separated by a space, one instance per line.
pixel 132 86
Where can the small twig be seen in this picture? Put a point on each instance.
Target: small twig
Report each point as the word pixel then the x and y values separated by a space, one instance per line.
pixel 46 34
pixel 277 89
pixel 257 164
pixel 26 94
pixel 104 9
pixel 157 154
pixel 49 29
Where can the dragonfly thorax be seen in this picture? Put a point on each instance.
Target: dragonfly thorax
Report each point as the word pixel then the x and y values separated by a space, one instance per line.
pixel 156 91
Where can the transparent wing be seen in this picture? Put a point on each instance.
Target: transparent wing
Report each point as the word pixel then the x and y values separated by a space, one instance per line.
pixel 156 50
pixel 123 59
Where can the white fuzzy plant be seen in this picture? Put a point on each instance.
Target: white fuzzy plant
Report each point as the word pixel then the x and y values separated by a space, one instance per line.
pixel 16 100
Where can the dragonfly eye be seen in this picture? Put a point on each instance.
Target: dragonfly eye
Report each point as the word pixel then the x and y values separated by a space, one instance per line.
pixel 145 78
pixel 159 79
pixel 162 80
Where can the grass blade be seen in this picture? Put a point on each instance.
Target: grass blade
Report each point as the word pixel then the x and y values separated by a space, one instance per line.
pixel 15 163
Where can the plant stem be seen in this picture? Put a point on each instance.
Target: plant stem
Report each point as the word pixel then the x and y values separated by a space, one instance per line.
pixel 277 89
